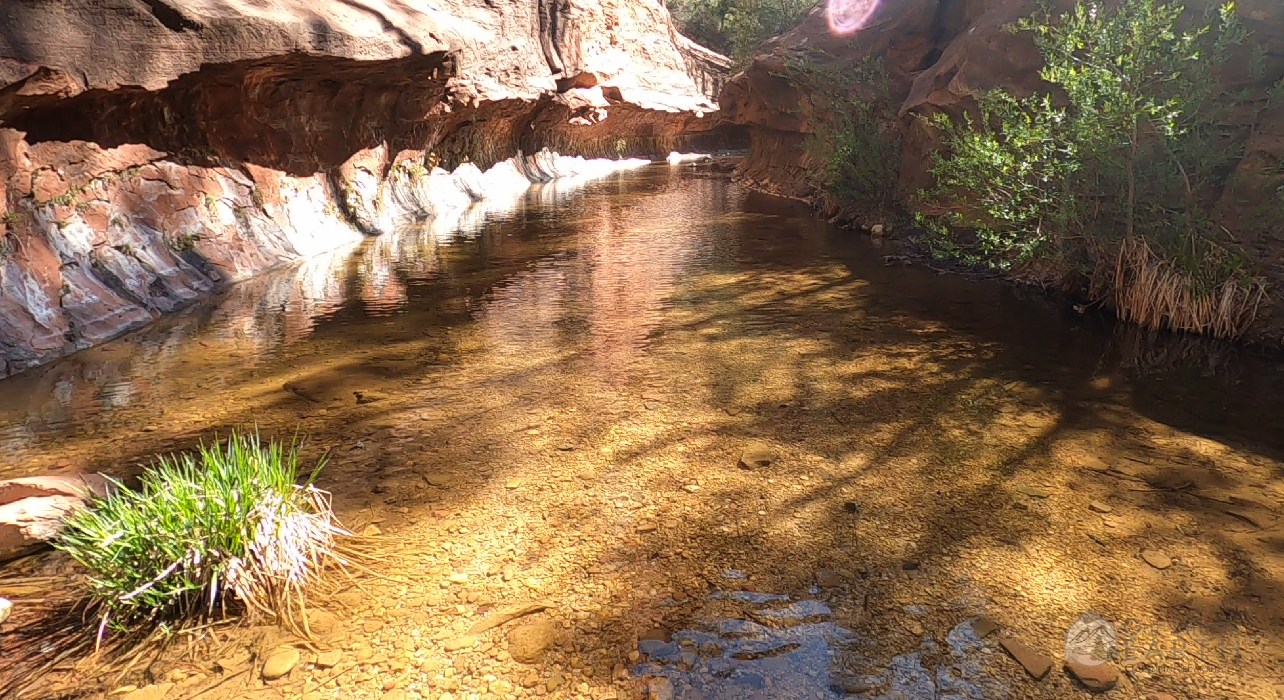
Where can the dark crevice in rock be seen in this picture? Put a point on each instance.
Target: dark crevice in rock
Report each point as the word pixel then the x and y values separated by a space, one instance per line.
pixel 950 21
pixel 297 114
pixel 170 16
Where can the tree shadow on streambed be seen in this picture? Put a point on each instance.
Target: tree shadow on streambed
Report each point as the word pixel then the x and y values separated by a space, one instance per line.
pixel 932 373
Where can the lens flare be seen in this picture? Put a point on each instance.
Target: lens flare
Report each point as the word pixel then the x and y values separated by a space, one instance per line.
pixel 849 16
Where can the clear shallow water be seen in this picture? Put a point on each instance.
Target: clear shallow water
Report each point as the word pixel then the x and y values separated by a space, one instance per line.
pixel 598 270
pixel 667 307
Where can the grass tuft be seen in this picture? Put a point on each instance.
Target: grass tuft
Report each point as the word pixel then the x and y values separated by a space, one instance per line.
pixel 1154 292
pixel 226 529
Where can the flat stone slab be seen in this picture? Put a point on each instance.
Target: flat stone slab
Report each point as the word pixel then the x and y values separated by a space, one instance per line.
pixel 1035 662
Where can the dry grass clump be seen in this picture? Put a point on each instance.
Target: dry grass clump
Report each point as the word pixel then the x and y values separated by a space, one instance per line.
pixel 229 528
pixel 1154 292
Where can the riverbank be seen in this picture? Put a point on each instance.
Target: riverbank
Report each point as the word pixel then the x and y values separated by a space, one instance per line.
pixel 934 114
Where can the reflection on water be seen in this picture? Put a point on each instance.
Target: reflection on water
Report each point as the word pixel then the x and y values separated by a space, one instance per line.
pixel 768 645
pixel 596 269
pixel 786 651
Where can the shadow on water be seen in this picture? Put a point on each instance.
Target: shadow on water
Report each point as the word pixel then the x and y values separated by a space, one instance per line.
pixel 936 435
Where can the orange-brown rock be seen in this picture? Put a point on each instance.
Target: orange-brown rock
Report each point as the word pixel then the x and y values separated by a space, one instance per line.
pixel 151 152
pixel 32 509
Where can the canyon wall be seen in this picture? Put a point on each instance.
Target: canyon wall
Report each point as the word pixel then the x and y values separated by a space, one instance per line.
pixel 153 151
pixel 940 55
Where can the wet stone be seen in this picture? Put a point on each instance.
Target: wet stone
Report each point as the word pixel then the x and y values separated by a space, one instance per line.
pixel 741 629
pixel 1035 662
pixel 750 597
pixel 984 626
pixel 857 686
pixel 658 689
pixel 740 658
pixel 1095 677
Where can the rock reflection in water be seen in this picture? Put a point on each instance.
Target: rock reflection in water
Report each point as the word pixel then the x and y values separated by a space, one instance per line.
pixel 219 343
pixel 237 330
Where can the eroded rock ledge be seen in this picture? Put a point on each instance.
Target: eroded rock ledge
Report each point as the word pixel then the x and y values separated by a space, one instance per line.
pixel 153 151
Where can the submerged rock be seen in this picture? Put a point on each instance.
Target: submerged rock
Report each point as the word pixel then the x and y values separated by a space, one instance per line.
pixel 1035 662
pixel 1096 677
pixel 757 456
pixel 1156 558
pixel 528 642
pixel 32 510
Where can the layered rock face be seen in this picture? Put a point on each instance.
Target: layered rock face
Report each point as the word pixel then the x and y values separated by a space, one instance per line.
pixel 940 54
pixel 152 151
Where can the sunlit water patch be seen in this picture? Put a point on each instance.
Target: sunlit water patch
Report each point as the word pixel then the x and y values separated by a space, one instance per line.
pixel 771 645
pixel 774 648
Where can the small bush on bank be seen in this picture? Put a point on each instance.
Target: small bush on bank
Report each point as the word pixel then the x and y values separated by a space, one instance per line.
pixel 854 141
pixel 228 526
pixel 1114 179
pixel 737 27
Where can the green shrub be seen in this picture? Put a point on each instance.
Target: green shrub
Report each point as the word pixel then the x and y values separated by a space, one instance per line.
pixel 854 139
pixel 737 27
pixel 1006 177
pixel 226 526
pixel 1136 142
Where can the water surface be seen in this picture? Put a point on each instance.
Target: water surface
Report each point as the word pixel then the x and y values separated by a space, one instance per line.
pixel 601 272
pixel 563 388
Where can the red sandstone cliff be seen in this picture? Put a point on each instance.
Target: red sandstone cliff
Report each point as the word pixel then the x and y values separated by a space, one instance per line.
pixel 154 150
